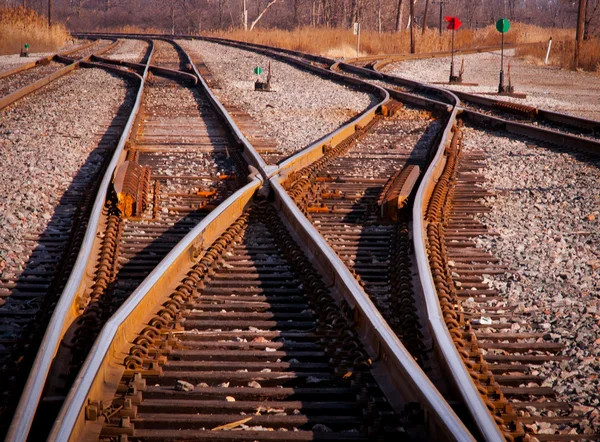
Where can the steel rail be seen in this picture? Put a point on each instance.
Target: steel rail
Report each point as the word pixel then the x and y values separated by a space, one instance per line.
pixel 390 357
pixel 479 412
pixel 313 151
pixel 252 157
pixel 24 91
pixel 461 367
pixel 523 129
pixel 42 60
pixel 394 58
pixel 66 311
pixel 383 343
pixel 96 373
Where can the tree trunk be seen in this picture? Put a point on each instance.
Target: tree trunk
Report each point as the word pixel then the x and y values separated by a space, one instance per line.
pixel 271 3
pixel 220 7
pixel 172 17
pixel 244 15
pixel 296 8
pixel 354 12
pixel 379 16
pixel 399 16
pixel 49 13
pixel 425 15
pixel 580 31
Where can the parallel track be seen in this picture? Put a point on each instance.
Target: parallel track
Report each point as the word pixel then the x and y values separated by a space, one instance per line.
pixel 190 167
pixel 29 296
pixel 157 355
pixel 345 359
pixel 501 360
pixel 351 200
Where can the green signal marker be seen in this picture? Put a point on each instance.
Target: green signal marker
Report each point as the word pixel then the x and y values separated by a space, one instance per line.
pixel 502 25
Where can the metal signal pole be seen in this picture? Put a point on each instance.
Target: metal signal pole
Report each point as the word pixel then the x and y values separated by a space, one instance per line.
pixel 580 29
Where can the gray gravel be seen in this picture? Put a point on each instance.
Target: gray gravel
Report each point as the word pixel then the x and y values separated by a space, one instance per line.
pixel 44 140
pixel 8 62
pixel 129 50
pixel 549 239
pixel 547 87
pixel 302 108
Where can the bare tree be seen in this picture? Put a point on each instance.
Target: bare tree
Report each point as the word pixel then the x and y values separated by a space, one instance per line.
pixel 580 25
pixel 271 3
pixel 399 16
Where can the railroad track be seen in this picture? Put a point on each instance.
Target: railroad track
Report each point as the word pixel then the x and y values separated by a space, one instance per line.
pixel 262 346
pixel 24 80
pixel 350 360
pixel 540 124
pixel 179 166
pixel 504 361
pixel 29 295
pixel 510 388
pixel 359 198
pixel 172 345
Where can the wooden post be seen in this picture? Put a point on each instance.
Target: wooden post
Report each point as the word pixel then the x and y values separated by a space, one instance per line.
pixel 579 36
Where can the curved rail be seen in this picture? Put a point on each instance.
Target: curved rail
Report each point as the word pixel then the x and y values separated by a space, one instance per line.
pixel 468 391
pixel 124 323
pixel 42 60
pixel 383 342
pixel 74 64
pixel 66 310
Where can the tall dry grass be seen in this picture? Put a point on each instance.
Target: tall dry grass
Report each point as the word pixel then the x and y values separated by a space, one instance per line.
pixel 562 52
pixel 130 29
pixel 342 42
pixel 19 26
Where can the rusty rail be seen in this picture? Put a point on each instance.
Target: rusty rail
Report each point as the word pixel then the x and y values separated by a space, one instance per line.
pixel 396 363
pixel 17 95
pixel 442 417
pixel 373 329
pixel 43 60
pixel 97 371
pixel 66 309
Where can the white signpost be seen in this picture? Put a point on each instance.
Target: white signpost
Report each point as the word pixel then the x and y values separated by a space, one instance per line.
pixel 357 33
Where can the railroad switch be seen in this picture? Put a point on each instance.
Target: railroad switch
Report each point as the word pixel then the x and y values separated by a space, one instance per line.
pixel 392 109
pixel 396 192
pixel 264 86
pixel 25 50
pixel 132 186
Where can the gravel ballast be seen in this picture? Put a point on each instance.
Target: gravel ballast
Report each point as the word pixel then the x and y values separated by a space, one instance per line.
pixel 8 62
pixel 302 107
pixel 45 139
pixel 129 50
pixel 547 87
pixel 546 210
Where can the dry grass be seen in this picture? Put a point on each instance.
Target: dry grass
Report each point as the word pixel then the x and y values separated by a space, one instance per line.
pixel 19 26
pixel 131 29
pixel 342 42
pixel 561 53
